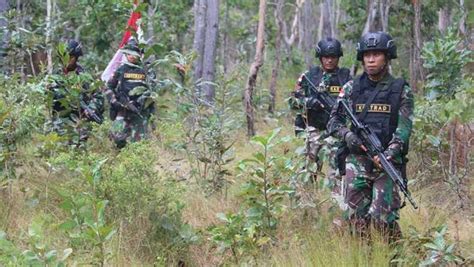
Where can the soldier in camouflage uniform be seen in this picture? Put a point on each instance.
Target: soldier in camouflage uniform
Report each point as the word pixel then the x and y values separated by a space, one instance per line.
pixel 312 117
pixel 130 110
pixel 386 105
pixel 75 107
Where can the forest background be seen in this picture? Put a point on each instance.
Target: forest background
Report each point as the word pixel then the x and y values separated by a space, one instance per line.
pixel 221 180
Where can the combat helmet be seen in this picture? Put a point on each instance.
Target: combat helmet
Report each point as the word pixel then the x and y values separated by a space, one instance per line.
pixel 74 48
pixel 329 47
pixel 132 48
pixel 376 41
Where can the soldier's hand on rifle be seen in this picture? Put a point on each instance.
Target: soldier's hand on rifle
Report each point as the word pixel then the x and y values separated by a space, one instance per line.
pixel 393 151
pixel 313 103
pixel 353 142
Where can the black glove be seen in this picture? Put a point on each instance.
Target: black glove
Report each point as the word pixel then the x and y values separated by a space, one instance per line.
pixel 313 103
pixel 353 142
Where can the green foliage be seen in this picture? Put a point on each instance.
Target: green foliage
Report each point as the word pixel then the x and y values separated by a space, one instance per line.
pixel 253 227
pixel 38 252
pixel 20 117
pixel 449 100
pixel 444 61
pixel 137 191
pixel 430 248
pixel 86 225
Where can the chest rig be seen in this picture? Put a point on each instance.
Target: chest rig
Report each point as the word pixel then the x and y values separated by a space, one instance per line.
pixel 318 118
pixel 382 111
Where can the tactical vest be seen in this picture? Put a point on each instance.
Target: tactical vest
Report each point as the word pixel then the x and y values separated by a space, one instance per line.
pixel 382 114
pixel 132 77
pixel 316 118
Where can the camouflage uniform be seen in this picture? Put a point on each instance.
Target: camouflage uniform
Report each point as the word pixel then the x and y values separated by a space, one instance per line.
pixel 128 125
pixel 369 192
pixel 315 118
pixel 69 107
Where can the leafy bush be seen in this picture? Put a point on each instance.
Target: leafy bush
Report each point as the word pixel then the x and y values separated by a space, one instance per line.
pixel 252 228
pixel 137 192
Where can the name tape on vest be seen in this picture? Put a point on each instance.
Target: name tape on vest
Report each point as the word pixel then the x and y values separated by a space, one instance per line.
pixel 134 76
pixel 334 89
pixel 382 108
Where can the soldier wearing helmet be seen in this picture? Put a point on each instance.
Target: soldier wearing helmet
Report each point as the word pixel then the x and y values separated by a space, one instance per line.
pixel 75 103
pixel 385 104
pixel 131 110
pixel 312 118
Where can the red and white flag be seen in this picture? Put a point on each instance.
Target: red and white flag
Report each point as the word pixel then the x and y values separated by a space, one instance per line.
pixel 133 25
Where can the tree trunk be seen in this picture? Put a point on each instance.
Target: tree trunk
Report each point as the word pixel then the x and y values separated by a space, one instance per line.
pixel 276 67
pixel 307 30
pixel 289 40
pixel 462 20
pixel 384 10
pixel 152 7
pixel 371 24
pixel 4 6
pixel 49 7
pixel 199 35
pixel 326 14
pixel 225 50
pixel 210 47
pixel 258 62
pixel 444 19
pixel 417 61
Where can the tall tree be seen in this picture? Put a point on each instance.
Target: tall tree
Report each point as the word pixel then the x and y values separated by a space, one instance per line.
pixel 3 22
pixel 258 62
pixel 49 32
pixel 307 30
pixel 276 66
pixel 377 15
pixel 444 18
pixel 206 22
pixel 290 38
pixel 417 67
pixel 210 47
pixel 199 35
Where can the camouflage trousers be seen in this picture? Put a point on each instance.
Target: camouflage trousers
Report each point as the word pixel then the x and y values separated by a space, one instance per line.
pixel 317 142
pixel 371 196
pixel 128 128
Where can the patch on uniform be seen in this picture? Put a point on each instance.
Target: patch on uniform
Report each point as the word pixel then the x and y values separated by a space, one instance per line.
pixel 381 108
pixel 134 76
pixel 335 89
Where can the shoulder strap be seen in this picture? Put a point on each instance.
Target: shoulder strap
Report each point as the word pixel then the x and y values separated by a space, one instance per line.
pixel 315 74
pixel 343 75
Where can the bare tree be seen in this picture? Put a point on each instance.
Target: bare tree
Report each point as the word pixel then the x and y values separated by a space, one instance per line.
pixel 210 47
pixel 49 7
pixel 462 20
pixel 258 62
pixel 206 22
pixel 276 66
pixel 307 31
pixel 290 39
pixel 417 68
pixel 444 18
pixel 151 11
pixel 199 35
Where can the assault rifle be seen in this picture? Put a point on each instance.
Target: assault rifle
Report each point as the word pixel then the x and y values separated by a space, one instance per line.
pixel 322 95
pixel 90 113
pixel 373 147
pixel 125 102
